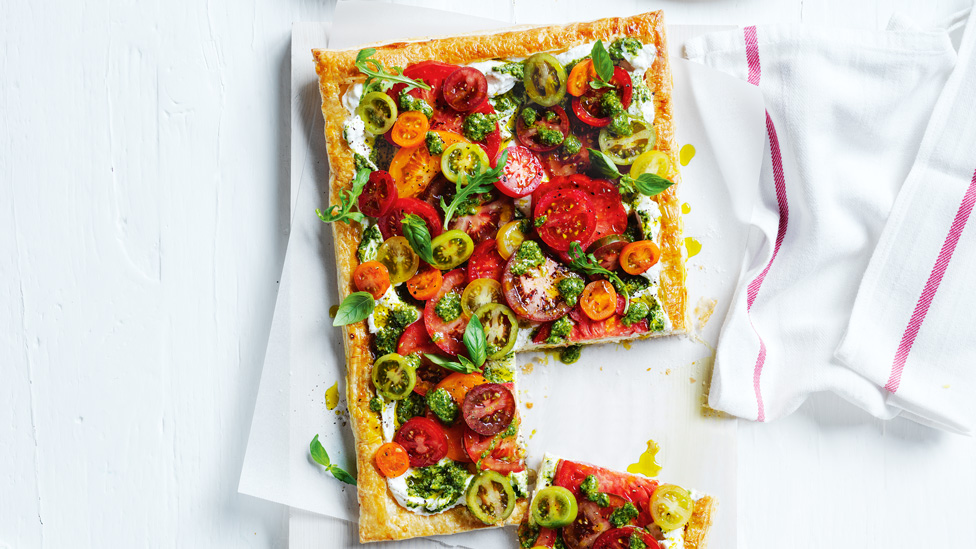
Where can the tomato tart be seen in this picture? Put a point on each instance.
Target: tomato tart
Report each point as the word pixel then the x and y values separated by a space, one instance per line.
pixel 580 506
pixel 490 194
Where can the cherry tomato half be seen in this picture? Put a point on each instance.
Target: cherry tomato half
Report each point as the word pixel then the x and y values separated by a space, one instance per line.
pixel 599 300
pixel 567 217
pixel 655 162
pixel 545 79
pixel 378 112
pixel 495 453
pixel 410 129
pixel 580 77
pixel 671 506
pixel 528 135
pixel 587 107
pixel 465 89
pixel 554 507
pixel 591 522
pixel 488 409
pixel 392 460
pixel 619 538
pixel 607 250
pixel 378 195
pixel 625 149
pixel 413 168
pixel 424 440
pixel 638 257
pixel 510 237
pixel 424 284
pixel 451 249
pixel 391 224
pixel 463 159
pixel 522 173
pixel 490 497
pixel 372 277
pixel 501 328
pixel 393 377
pixel 480 292
pixel 398 257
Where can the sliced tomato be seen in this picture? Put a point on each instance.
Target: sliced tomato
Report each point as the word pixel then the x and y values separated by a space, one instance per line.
pixel 598 300
pixel 485 262
pixel 619 538
pixel 529 135
pixel 604 201
pixel 547 538
pixel 591 522
pixel 424 440
pixel 391 459
pixel 580 77
pixel 566 216
pixel 522 173
pixel 585 329
pixel 464 89
pixel 534 295
pixel 455 439
pixel 448 336
pixel 587 107
pixel 459 384
pixel 486 220
pixel 372 277
pixel 378 195
pixel 431 72
pixel 425 283
pixel 488 409
pixel 413 168
pixel 410 129
pixel 558 163
pixel 635 489
pixel 505 458
pixel 607 250
pixel 415 339
pixel 392 224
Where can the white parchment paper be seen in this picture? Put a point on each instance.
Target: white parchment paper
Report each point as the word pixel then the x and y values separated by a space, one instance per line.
pixel 602 409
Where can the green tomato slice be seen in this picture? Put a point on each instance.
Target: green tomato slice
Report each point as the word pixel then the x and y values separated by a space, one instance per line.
pixel 671 506
pixel 378 112
pixel 490 497
pixel 624 150
pixel 451 249
pixel 393 377
pixel 464 159
pixel 501 328
pixel 545 79
pixel 554 507
pixel 399 258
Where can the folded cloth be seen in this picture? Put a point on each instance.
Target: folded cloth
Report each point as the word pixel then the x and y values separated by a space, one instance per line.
pixel 845 115
pixel 913 326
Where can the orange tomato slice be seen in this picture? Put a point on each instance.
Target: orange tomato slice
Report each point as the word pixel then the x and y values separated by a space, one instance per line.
pixel 413 168
pixel 459 384
pixel 372 277
pixel 580 77
pixel 410 129
pixel 392 460
pixel 599 300
pixel 425 284
pixel 639 256
pixel 455 441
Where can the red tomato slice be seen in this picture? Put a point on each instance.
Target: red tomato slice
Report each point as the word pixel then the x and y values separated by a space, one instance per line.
pixel 392 224
pixel 485 262
pixel 558 163
pixel 424 440
pixel 484 223
pixel 528 135
pixel 465 89
pixel 611 218
pixel 569 218
pixel 585 329
pixel 587 107
pixel 547 538
pixel 619 538
pixel 505 458
pixel 522 173
pixel 455 439
pixel 431 72
pixel 488 409
pixel 448 336
pixel 591 522
pixel 633 488
pixel 378 195
pixel 534 295
pixel 415 339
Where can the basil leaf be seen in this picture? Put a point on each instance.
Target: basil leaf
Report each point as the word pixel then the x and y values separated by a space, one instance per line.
pixel 475 341
pixel 416 233
pixel 355 307
pixel 341 474
pixel 652 184
pixel 599 84
pixel 603 164
pixel 318 452
pixel 602 62
pixel 466 368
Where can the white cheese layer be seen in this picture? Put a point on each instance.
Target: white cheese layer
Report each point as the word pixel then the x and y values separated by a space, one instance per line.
pixel 574 53
pixel 643 59
pixel 424 506
pixel 354 132
pixel 390 300
pixel 350 99
pixel 498 82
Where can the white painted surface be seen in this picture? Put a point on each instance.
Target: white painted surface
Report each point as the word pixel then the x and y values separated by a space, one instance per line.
pixel 143 215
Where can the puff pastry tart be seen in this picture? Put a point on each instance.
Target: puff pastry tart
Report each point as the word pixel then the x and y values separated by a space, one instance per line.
pixel 490 194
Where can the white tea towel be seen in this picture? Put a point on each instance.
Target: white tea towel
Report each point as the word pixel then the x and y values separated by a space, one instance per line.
pixel 913 326
pixel 845 115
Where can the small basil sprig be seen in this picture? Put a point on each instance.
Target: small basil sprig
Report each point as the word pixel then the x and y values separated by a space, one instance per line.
pixel 355 307
pixel 649 184
pixel 477 345
pixel 603 66
pixel 481 183
pixel 322 458
pixel 375 71
pixel 348 198
pixel 588 264
pixel 416 233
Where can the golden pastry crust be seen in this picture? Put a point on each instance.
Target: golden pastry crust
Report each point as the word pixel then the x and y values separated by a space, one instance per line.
pixel 696 531
pixel 381 518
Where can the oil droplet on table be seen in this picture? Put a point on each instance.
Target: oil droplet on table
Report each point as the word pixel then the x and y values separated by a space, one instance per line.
pixel 647 464
pixel 686 208
pixel 333 311
pixel 693 245
pixel 332 396
pixel 686 154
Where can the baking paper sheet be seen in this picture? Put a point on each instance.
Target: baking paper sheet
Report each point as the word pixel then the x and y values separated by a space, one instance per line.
pixel 602 409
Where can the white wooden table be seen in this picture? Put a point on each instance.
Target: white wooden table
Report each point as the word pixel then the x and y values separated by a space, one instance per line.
pixel 143 219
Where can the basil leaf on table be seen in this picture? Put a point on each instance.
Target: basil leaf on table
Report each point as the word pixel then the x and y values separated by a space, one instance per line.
pixel 355 307
pixel 322 458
